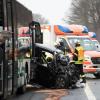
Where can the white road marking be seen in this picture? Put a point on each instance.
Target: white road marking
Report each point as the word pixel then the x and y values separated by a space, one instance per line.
pixel 89 93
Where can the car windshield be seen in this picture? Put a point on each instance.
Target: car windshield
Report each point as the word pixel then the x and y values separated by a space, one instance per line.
pixel 85 42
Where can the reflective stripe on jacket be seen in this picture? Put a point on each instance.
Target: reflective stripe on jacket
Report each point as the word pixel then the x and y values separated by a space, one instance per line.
pixel 80 55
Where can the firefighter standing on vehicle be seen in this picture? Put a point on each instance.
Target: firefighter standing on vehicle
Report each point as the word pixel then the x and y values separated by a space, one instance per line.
pixel 78 57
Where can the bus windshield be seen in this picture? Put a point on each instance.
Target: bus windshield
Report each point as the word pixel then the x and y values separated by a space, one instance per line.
pixel 85 42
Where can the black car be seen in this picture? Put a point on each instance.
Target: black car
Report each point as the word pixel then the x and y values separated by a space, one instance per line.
pixel 49 67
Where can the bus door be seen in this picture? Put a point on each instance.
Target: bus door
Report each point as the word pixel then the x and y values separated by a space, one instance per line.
pixel 8 58
pixel 6 68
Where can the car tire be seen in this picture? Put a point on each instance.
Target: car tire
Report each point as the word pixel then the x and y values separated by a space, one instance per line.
pixel 62 81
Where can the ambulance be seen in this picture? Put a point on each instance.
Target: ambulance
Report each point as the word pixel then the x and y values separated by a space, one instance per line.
pixel 78 33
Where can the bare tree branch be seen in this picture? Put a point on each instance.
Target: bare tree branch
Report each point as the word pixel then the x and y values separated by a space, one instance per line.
pixel 39 18
pixel 85 12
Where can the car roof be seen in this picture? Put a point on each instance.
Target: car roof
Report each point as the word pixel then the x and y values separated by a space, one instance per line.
pixel 47 48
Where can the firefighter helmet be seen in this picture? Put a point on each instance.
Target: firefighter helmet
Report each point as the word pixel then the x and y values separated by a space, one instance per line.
pixel 77 44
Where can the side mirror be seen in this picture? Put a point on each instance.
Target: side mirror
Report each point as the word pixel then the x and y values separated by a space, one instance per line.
pixel 97 46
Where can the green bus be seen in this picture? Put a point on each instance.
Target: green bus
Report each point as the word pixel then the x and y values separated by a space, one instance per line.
pixel 13 67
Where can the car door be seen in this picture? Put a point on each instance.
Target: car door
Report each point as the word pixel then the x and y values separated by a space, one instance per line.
pixel 43 73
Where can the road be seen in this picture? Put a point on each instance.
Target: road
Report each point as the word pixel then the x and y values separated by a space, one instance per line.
pixel 90 92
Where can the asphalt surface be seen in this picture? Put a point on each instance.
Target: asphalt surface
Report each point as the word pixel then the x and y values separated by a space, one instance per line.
pixel 90 92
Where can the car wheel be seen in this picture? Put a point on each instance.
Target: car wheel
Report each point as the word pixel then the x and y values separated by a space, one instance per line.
pixel 61 82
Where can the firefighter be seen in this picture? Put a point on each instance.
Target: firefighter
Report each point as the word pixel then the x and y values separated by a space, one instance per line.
pixel 60 45
pixel 78 57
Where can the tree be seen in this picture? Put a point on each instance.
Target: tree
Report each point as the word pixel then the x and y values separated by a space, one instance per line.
pixel 85 12
pixel 39 18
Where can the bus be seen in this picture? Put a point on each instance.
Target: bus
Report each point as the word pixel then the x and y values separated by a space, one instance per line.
pixel 13 69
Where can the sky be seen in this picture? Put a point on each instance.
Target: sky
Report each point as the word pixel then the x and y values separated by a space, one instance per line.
pixel 53 10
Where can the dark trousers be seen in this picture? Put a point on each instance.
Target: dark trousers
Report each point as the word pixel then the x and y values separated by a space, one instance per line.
pixel 80 69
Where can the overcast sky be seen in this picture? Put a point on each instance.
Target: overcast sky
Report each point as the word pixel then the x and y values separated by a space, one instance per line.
pixel 53 10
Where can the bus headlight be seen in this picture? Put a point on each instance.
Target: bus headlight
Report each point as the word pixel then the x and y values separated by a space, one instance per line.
pixel 27 55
